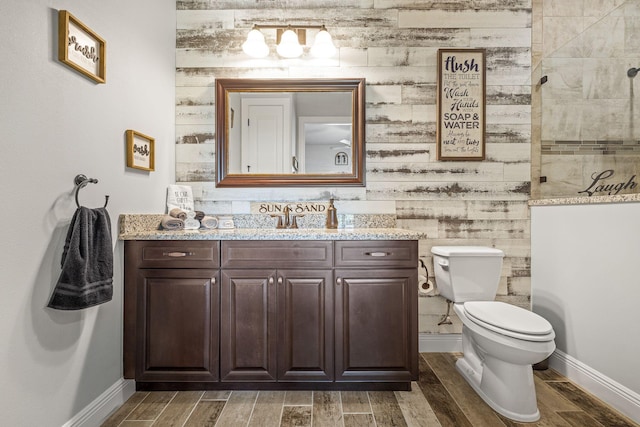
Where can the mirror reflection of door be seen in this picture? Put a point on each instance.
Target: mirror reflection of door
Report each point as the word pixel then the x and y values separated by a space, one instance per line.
pixel 280 133
pixel 320 139
pixel 266 135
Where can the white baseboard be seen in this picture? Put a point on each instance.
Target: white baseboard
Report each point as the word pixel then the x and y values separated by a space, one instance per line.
pixel 439 343
pixel 604 388
pixel 97 411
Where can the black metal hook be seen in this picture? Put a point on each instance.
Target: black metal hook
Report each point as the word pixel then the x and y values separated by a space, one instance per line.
pixel 81 181
pixel 632 72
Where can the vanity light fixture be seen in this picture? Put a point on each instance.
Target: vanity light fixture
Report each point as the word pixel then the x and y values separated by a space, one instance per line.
pixel 323 46
pixel 290 41
pixel 255 45
pixel 289 46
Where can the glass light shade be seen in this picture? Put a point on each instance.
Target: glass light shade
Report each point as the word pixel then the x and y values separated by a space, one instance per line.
pixel 323 45
pixel 289 46
pixel 255 45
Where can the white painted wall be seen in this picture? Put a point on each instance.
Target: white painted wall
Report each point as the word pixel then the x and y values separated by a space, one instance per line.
pixel 586 281
pixel 54 124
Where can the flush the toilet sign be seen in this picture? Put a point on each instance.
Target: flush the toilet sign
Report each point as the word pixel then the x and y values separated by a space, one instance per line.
pixel 461 104
pixel 604 184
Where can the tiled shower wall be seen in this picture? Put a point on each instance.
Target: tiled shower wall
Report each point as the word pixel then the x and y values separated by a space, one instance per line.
pixel 590 107
pixel 393 44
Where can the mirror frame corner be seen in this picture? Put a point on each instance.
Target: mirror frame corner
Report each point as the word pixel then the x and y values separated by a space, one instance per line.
pixel 356 86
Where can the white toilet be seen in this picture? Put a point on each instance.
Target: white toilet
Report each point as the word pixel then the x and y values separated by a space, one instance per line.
pixel 500 341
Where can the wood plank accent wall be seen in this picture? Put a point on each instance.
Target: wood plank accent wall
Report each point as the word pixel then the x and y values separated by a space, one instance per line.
pixel 393 44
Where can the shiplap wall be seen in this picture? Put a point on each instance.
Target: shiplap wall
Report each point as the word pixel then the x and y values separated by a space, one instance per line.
pixel 393 44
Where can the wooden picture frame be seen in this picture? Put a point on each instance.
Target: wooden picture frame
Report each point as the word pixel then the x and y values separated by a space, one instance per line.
pixel 80 48
pixel 140 151
pixel 461 106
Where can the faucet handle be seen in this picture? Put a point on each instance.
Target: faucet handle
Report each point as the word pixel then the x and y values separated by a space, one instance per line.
pixel 280 220
pixel 294 222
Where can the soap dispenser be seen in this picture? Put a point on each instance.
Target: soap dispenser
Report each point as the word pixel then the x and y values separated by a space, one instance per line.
pixel 332 215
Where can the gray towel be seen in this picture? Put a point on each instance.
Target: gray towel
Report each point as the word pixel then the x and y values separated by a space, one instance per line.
pixel 178 213
pixel 170 223
pixel 87 262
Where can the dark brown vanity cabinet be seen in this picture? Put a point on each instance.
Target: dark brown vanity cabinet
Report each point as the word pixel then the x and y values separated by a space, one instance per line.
pixel 277 311
pixel 271 314
pixel 376 335
pixel 171 311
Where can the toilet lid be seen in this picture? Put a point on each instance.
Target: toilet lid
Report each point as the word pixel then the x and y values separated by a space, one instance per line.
pixel 509 320
pixel 453 251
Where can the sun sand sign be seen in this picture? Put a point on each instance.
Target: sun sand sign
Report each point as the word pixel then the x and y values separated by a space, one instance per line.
pixel 461 104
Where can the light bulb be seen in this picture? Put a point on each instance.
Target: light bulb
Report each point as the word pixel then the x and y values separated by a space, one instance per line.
pixel 255 45
pixel 323 45
pixel 289 46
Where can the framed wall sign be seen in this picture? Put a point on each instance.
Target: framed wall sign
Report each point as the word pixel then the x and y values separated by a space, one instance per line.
pixel 140 151
pixel 461 104
pixel 80 48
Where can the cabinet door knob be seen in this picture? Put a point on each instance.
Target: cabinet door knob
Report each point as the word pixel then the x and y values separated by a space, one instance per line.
pixel 270 281
pixel 279 280
pixel 339 281
pixel 213 280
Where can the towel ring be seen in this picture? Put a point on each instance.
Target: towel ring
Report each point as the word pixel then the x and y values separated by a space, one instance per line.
pixel 81 181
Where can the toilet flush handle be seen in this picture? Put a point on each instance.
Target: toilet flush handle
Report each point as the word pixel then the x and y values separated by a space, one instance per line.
pixel 444 264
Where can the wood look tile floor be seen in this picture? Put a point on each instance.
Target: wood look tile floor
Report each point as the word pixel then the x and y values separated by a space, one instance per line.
pixel 441 397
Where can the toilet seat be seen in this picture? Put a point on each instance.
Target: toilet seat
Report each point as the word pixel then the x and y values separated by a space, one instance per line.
pixel 509 320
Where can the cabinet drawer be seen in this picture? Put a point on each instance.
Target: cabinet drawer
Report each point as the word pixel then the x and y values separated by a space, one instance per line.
pixel 276 254
pixel 173 254
pixel 373 253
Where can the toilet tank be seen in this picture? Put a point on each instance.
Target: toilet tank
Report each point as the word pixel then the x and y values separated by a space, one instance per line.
pixel 467 273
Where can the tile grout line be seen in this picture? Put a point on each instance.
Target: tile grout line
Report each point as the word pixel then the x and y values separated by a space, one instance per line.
pixel 375 422
pixel 312 400
pixel 255 402
pixel 282 409
pixel 131 411
pixel 223 408
pixel 193 409
pixel 341 408
pixel 166 405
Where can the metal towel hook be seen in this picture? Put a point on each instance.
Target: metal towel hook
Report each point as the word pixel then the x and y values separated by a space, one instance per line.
pixel 81 181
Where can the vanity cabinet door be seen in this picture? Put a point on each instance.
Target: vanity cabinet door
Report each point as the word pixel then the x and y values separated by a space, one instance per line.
pixel 177 325
pixel 276 325
pixel 305 325
pixel 376 324
pixel 248 325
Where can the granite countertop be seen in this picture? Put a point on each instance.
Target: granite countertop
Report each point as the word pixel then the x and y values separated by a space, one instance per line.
pixel 145 227
pixel 620 198
pixel 274 234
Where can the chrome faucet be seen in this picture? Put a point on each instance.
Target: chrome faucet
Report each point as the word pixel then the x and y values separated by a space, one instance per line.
pixel 287 220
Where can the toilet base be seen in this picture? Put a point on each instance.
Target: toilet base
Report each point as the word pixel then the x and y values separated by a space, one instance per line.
pixel 480 381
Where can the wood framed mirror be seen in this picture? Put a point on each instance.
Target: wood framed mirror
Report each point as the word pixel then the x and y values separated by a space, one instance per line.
pixel 290 132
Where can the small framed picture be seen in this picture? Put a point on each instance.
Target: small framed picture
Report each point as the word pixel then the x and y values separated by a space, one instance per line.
pixel 80 48
pixel 140 151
